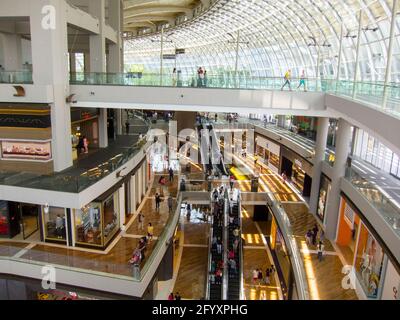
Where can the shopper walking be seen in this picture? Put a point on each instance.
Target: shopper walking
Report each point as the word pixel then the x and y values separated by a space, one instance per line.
pixel 260 276
pixel 140 220
pixel 170 204
pixel 127 126
pixel 320 251
pixel 171 296
pixel 308 237
pixel 174 77
pixel 219 247
pixel 231 181
pixel 255 276
pixel 171 174
pixel 158 201
pixel 267 276
pixel 178 297
pixel 150 232
pixel 314 234
pixel 287 79
pixel 302 81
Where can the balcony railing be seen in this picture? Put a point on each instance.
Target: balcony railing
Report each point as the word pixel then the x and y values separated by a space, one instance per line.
pixel 73 183
pixel 379 199
pixel 112 270
pixel 16 77
pixel 376 94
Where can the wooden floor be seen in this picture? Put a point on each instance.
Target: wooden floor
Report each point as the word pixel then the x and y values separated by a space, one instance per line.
pixel 255 256
pixel 192 276
pixel 257 259
pixel 324 278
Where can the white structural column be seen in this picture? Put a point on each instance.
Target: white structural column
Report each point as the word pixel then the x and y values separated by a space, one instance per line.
pixel 115 50
pixel 121 198
pixel 12 52
pixel 319 157
pixel 357 67
pixel 103 134
pixel 388 74
pixel 341 154
pixel 281 121
pixel 72 60
pixel 97 60
pixel 118 115
pixel 50 67
pixel 97 42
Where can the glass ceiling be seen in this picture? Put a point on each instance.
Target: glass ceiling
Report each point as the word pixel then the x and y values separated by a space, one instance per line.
pixel 276 35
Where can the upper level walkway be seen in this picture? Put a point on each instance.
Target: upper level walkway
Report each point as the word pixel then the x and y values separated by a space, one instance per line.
pixel 370 106
pixel 376 94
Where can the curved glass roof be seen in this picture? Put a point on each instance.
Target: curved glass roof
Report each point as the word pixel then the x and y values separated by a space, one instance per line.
pixel 275 36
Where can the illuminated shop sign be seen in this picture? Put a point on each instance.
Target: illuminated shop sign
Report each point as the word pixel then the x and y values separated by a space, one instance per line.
pixel 26 150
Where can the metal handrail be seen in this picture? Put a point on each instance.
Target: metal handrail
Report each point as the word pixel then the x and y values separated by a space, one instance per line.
pixel 209 262
pixel 242 295
pixel 224 247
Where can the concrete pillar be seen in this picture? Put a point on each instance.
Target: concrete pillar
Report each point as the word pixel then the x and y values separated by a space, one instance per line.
pixel 86 59
pixel 115 50
pixel 121 198
pixel 118 115
pixel 12 52
pixel 342 152
pixel 319 157
pixel 281 121
pixel 50 67
pixel 103 134
pixel 72 64
pixel 97 42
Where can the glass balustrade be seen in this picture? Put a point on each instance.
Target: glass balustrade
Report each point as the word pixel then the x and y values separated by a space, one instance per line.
pixel 71 260
pixel 17 77
pixel 377 197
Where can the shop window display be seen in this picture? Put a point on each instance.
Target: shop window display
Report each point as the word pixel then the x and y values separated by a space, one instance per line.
pixel 88 225
pixel 55 224
pixel 111 217
pixel 323 196
pixel 26 150
pixel 298 175
pixel 369 261
pixel 4 225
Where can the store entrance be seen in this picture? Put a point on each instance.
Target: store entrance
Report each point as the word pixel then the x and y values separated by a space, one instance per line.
pixel 28 217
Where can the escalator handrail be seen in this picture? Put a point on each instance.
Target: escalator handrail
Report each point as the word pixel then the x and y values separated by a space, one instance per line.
pixel 225 242
pixel 209 259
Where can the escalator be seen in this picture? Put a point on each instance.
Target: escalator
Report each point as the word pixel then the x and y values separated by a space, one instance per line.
pixel 216 288
pixel 218 158
pixel 235 282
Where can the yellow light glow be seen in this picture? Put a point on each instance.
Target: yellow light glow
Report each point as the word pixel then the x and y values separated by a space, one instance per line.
pixel 312 281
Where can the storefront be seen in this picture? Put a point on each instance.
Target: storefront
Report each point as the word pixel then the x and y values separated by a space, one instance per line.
pixel 54 224
pixel 281 259
pixel 364 251
pixel 9 221
pixel 25 219
pixel 84 123
pixel 98 222
pixel 298 170
pixel 323 196
pixel 268 153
